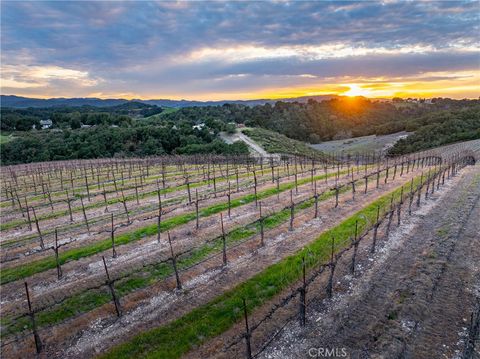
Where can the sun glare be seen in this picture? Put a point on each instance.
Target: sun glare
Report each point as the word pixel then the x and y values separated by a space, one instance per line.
pixel 356 90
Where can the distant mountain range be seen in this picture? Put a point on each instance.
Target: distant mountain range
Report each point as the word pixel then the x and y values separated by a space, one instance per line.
pixel 24 102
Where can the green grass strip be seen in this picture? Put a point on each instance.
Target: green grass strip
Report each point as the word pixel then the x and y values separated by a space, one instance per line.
pixel 211 319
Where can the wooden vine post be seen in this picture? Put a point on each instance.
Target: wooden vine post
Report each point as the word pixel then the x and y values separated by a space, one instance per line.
pixel 224 242
pixel 69 200
pixel 390 217
pixel 316 201
pixel 278 185
pixel 86 185
pixel 40 237
pixel 248 334
pixel 85 215
pixel 410 198
pixel 112 235
pixel 236 179
pixel 353 189
pixel 271 166
pixel 20 203
pixel 57 260
pixel 136 191
pixel 303 300
pixel 214 183
pixel 355 244
pixel 31 313
pixel 332 265
pixel 109 282
pixel 229 200
pixel 375 230
pixel 159 216
pixel 428 184
pixel 336 196
pixel 296 181
pixel 399 207
pixel 28 215
pixel 174 263
pixel 124 201
pixel 419 193
pixel 255 188
pixel 292 212
pixel 188 190
pixel 49 196
pixel 196 210
pixel 262 233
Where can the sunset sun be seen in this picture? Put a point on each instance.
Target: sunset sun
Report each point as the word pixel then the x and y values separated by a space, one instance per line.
pixel 356 90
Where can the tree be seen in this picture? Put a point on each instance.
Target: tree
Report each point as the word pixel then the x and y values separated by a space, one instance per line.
pixel 230 128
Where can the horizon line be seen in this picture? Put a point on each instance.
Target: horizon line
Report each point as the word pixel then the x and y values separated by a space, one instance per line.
pixel 128 98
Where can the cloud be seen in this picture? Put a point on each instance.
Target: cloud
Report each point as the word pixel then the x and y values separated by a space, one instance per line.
pixel 183 49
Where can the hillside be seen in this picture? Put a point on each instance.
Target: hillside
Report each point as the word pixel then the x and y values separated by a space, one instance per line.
pixel 25 102
pixel 139 129
pixel 363 144
pixel 277 143
pixel 439 129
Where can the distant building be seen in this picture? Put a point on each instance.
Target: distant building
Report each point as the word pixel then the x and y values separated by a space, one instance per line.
pixel 46 124
pixel 240 125
pixel 85 126
pixel 199 126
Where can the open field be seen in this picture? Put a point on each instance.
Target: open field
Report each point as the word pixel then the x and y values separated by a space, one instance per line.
pixel 362 144
pixel 5 139
pixel 276 143
pixel 185 240
pixel 166 111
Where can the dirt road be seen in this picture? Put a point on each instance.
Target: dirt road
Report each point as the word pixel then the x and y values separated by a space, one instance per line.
pixel 240 136
pixel 413 299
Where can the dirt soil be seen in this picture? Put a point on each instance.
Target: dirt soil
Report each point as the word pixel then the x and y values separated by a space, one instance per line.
pixel 413 298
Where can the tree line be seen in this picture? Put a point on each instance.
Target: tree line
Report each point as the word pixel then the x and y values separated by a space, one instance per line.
pixel 137 129
pixel 440 128
pixel 337 118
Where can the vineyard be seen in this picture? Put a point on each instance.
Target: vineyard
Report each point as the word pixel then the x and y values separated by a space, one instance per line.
pixel 197 256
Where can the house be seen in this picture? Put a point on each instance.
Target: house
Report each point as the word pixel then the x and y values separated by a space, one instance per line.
pixel 199 126
pixel 46 124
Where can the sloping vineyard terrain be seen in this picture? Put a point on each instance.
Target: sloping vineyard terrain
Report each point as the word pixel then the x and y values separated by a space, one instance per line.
pixel 170 256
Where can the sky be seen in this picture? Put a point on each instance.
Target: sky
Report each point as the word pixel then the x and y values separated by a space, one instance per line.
pixel 240 50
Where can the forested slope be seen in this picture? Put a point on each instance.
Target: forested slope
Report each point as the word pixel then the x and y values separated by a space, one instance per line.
pixel 137 129
pixel 440 128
